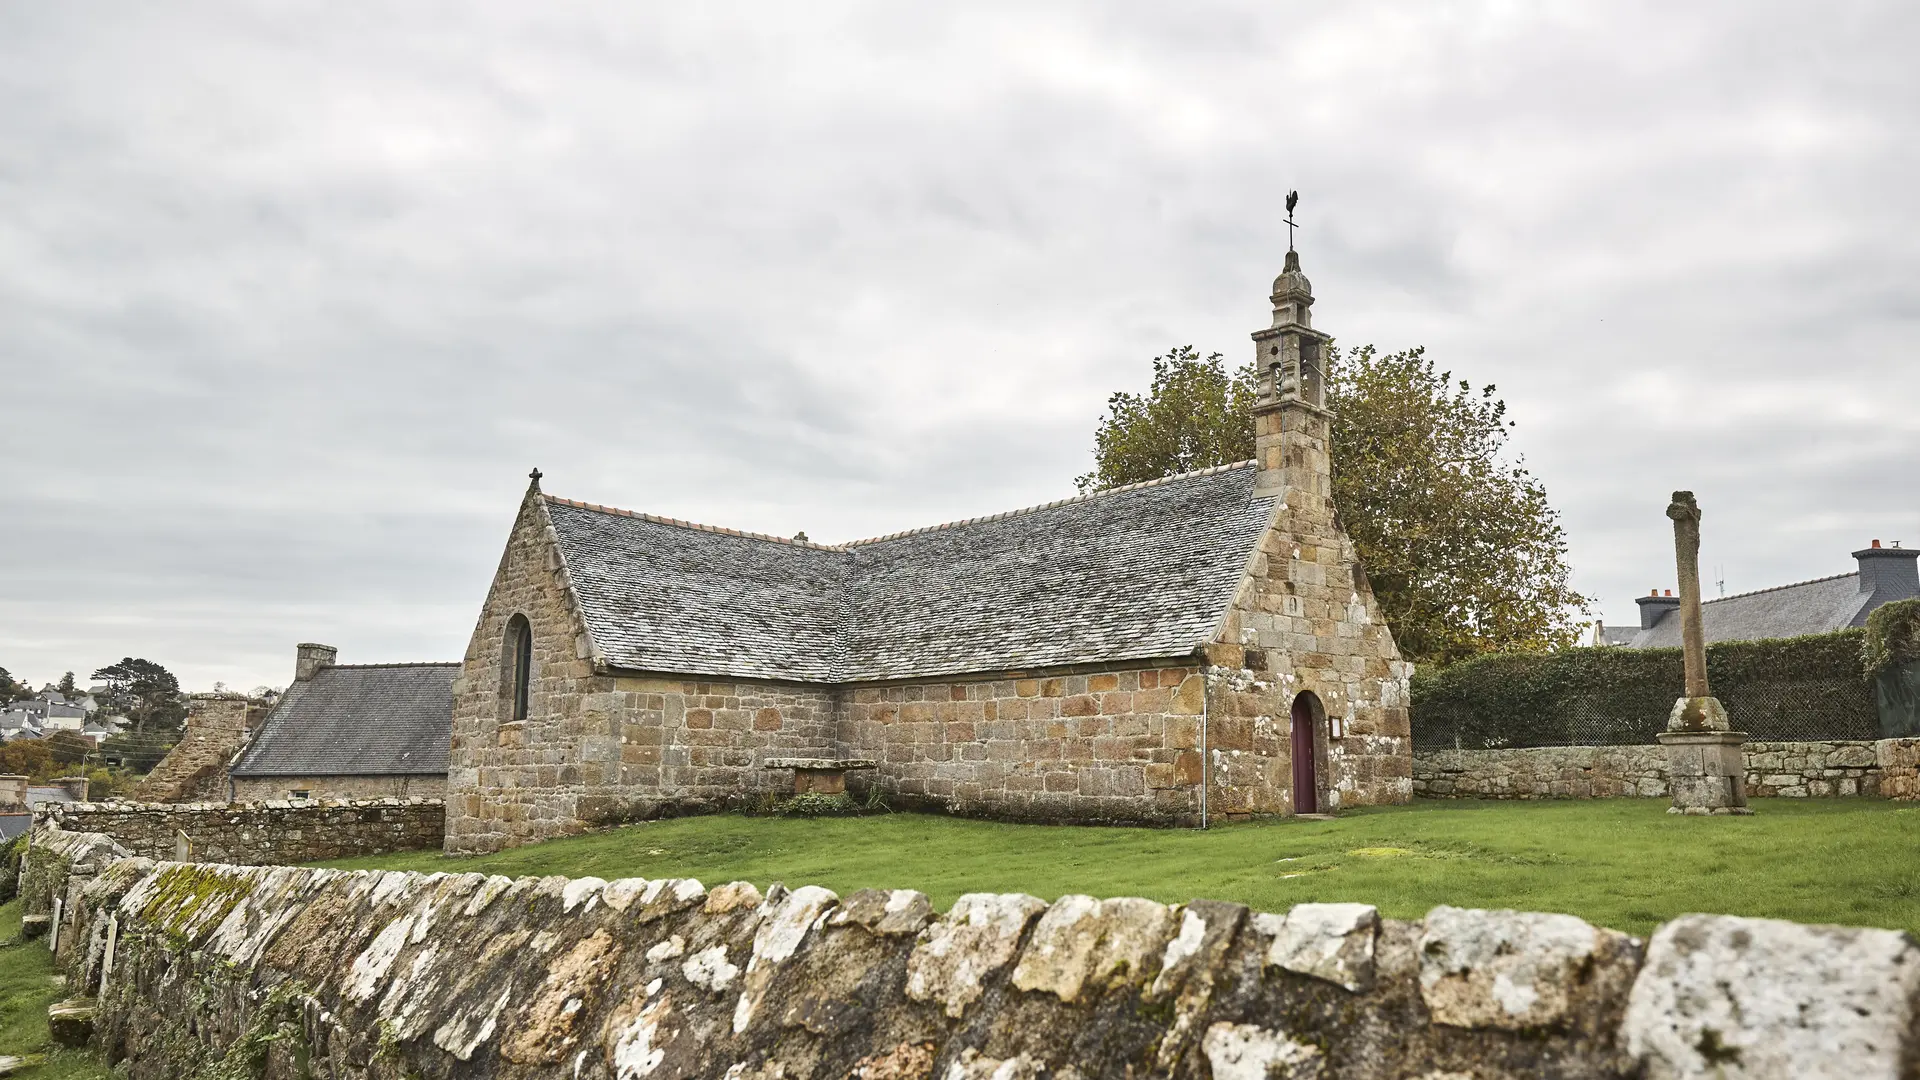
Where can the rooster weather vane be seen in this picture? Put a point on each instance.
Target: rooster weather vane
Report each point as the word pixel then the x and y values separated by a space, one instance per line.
pixel 1293 200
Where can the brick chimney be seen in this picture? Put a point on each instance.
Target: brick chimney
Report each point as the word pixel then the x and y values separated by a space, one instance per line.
pixel 1653 606
pixel 1888 573
pixel 309 658
pixel 13 792
pixel 74 786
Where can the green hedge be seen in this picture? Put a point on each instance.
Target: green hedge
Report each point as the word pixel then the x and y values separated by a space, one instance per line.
pixel 1787 689
pixel 1893 662
pixel 1893 636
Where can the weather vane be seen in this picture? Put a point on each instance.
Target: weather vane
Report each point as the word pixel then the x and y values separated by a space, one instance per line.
pixel 1293 200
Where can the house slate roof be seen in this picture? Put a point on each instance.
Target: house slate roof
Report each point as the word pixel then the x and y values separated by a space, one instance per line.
pixel 1144 571
pixel 12 825
pixel 357 720
pixel 1819 606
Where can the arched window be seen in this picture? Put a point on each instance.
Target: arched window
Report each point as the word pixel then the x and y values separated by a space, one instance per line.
pixel 516 668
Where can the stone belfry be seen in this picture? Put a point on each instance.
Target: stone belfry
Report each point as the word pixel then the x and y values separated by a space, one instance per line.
pixel 1291 422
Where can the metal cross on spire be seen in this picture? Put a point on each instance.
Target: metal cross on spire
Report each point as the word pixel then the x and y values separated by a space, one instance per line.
pixel 1293 200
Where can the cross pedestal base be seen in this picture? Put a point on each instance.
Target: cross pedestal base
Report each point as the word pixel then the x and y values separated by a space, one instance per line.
pixel 1706 771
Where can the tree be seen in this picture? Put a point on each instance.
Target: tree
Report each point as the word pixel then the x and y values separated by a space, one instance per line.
pixel 1463 551
pixel 11 691
pixel 1196 415
pixel 145 693
pixel 66 687
pixel 68 747
pixel 26 757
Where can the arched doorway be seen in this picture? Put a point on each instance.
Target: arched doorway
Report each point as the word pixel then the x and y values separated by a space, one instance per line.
pixel 1308 716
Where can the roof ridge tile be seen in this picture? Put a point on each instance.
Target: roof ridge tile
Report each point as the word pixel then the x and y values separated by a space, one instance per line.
pixel 1777 588
pixel 397 664
pixel 1085 496
pixel 658 519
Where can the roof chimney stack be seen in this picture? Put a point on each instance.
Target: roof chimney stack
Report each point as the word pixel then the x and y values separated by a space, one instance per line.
pixel 309 658
pixel 1888 573
pixel 1653 607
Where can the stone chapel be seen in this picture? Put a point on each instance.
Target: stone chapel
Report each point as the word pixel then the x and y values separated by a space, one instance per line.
pixel 1204 644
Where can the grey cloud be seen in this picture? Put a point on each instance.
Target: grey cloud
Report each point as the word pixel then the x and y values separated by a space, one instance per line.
pixel 292 296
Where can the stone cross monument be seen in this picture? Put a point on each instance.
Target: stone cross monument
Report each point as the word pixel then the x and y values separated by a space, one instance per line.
pixel 1706 768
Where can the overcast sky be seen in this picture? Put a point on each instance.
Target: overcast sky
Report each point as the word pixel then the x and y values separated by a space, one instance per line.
pixel 293 295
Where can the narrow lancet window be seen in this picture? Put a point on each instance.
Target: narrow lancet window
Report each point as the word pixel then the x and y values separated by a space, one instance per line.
pixel 516 663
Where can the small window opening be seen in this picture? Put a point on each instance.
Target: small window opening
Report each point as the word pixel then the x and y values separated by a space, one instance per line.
pixel 301 793
pixel 517 662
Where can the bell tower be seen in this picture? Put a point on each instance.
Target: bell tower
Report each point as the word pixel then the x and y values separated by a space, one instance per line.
pixel 1291 424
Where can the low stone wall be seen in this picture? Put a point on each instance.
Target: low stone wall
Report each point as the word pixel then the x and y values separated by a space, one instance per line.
pixel 1886 768
pixel 278 971
pixel 254 834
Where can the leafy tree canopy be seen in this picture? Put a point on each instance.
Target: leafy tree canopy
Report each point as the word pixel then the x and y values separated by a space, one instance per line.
pixel 146 693
pixel 11 691
pixel 66 687
pixel 1464 553
pixel 27 757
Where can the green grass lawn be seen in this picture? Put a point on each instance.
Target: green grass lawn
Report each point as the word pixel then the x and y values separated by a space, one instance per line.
pixel 27 987
pixel 1623 863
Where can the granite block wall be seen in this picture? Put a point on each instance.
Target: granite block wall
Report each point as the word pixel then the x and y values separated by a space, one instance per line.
pixel 1885 768
pixel 255 834
pixel 277 971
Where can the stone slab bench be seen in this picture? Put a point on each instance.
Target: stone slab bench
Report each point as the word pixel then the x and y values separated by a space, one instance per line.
pixel 825 776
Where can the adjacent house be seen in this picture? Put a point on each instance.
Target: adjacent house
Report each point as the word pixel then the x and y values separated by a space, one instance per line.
pixel 1882 576
pixel 18 799
pixel 350 731
pixel 1202 645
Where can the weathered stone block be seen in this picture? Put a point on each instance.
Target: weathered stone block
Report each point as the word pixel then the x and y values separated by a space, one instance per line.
pixel 1516 970
pixel 1724 996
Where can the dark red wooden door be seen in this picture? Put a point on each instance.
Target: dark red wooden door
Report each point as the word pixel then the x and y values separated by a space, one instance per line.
pixel 1306 786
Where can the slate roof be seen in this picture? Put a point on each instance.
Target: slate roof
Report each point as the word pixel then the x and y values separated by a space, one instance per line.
pixel 1807 607
pixel 357 720
pixel 1139 572
pixel 12 825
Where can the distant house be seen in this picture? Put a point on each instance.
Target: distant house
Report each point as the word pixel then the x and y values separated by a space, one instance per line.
pixel 1823 605
pixel 351 731
pixel 18 799
pixel 42 715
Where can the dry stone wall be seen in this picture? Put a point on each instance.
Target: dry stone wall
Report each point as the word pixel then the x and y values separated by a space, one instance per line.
pixel 253 834
pixel 282 971
pixel 1885 768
